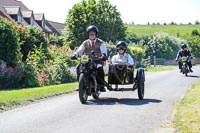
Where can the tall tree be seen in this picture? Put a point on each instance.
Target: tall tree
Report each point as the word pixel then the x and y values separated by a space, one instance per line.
pixel 90 12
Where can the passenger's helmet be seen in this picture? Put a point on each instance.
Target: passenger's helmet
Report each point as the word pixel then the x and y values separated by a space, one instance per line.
pixel 183 46
pixel 92 28
pixel 121 45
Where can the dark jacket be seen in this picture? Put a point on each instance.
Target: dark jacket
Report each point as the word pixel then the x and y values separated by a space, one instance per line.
pixel 182 53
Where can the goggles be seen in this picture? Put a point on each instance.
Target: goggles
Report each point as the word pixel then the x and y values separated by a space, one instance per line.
pixel 121 48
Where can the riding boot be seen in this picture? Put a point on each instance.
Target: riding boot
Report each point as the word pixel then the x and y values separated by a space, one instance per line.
pixel 101 80
pixel 190 69
pixel 190 66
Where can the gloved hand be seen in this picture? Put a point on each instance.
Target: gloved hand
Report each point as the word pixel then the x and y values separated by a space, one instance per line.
pixel 176 60
pixel 74 57
pixel 104 57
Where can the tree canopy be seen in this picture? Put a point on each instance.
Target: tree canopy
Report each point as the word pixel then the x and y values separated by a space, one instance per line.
pixel 90 12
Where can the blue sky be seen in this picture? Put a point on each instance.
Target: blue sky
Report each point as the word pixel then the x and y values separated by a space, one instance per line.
pixel 137 11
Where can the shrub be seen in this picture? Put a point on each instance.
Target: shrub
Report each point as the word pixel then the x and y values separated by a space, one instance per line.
pixel 138 53
pixel 10 77
pixel 29 38
pixel 9 44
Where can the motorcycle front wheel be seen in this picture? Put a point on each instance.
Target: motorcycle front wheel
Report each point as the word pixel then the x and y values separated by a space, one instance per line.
pixel 82 89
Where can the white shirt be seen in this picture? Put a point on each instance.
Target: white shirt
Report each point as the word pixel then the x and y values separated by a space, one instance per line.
pixel 126 58
pixel 81 49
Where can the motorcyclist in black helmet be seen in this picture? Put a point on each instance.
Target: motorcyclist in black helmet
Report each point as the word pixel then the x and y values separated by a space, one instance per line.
pixel 99 47
pixel 124 58
pixel 121 55
pixel 184 52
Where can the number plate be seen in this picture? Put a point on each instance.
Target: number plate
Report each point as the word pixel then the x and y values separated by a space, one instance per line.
pixel 184 58
pixel 84 58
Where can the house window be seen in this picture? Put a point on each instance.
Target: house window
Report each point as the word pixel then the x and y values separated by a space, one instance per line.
pixel 19 19
pixel 32 21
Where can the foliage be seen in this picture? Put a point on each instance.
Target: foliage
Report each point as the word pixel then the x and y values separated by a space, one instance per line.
pixel 102 14
pixel 29 38
pixel 111 49
pixel 9 44
pixel 194 43
pixel 138 53
pixel 195 32
pixel 55 40
pixel 10 77
pixel 164 46
pixel 57 65
pixel 35 66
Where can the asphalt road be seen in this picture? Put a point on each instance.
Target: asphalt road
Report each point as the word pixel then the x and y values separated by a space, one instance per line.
pixel 114 112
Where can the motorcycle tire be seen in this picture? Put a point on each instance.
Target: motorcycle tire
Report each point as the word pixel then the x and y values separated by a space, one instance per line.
pixel 140 86
pixel 82 89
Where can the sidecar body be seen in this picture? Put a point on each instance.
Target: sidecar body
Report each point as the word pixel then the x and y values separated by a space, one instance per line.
pixel 122 74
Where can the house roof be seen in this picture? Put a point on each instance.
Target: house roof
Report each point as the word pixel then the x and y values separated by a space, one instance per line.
pixel 13 3
pixel 8 7
pixel 2 14
pixel 55 26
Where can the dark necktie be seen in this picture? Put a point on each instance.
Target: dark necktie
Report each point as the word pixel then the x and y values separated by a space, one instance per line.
pixel 92 44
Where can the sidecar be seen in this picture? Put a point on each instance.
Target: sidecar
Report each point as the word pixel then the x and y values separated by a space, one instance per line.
pixel 120 75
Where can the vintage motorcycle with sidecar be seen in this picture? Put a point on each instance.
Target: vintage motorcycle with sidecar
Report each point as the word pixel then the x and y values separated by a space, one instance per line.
pixel 118 75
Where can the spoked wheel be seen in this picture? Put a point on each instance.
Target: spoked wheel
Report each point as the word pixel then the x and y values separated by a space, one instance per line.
pixel 82 89
pixel 140 85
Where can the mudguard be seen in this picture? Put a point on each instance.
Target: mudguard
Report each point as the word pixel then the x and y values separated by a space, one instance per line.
pixel 139 74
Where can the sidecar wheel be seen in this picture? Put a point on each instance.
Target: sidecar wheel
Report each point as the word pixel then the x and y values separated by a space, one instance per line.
pixel 82 89
pixel 140 86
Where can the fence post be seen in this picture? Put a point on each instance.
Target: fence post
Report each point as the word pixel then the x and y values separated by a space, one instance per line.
pixel 148 61
pixel 154 61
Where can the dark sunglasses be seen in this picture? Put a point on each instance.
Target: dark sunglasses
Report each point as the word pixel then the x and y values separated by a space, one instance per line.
pixel 92 34
pixel 121 48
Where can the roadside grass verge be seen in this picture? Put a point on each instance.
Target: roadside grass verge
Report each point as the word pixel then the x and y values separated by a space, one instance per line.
pixel 9 98
pixel 187 116
pixel 160 68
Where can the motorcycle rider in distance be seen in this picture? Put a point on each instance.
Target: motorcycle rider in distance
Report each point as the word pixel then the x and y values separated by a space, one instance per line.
pixel 99 47
pixel 122 57
pixel 184 52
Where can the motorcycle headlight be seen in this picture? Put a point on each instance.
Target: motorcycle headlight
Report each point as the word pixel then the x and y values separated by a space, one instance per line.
pixel 184 59
pixel 84 59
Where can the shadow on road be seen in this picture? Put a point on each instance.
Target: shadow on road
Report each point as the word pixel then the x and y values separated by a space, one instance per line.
pixel 193 76
pixel 125 101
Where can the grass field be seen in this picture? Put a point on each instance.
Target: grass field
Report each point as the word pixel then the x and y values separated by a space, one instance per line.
pixel 9 98
pixel 173 30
